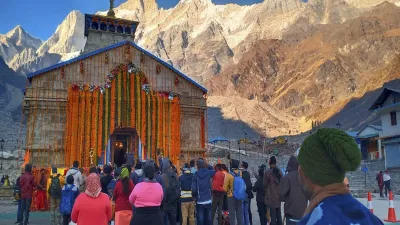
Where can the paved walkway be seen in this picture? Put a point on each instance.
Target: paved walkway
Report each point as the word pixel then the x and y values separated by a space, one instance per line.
pixel 8 217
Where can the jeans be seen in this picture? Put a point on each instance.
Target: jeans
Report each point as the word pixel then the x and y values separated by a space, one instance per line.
pixel 290 220
pixel 235 209
pixel 276 216
pixel 250 215
pixel 262 212
pixel 387 187
pixel 187 209
pixel 246 220
pixel 66 219
pixel 380 190
pixel 203 214
pixel 170 216
pixel 55 211
pixel 217 202
pixel 19 218
pixel 25 208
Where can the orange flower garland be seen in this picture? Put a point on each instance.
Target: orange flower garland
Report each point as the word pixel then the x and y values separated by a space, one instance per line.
pixel 91 118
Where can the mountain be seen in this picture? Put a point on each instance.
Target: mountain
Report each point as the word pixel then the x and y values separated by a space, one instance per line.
pixel 314 73
pixel 67 41
pixel 11 95
pixel 15 41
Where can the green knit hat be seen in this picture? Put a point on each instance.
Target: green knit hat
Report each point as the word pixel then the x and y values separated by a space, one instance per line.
pixel 327 155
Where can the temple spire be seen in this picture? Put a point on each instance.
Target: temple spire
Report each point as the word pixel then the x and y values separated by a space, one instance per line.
pixel 111 12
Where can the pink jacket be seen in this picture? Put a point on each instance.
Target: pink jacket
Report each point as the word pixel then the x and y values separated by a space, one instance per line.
pixel 146 194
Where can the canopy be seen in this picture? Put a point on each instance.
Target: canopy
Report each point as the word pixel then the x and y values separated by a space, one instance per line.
pixel 219 139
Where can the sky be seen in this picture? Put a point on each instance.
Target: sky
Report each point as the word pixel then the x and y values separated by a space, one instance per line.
pixel 40 18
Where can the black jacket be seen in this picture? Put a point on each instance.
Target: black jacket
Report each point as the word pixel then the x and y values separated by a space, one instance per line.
pixel 247 181
pixel 291 192
pixel 259 188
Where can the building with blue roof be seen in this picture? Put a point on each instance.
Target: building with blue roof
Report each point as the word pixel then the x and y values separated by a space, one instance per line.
pixel 116 101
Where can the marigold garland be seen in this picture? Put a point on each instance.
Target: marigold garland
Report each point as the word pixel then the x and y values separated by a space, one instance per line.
pixel 92 112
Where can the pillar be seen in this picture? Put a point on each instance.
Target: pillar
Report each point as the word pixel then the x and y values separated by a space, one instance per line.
pixel 380 148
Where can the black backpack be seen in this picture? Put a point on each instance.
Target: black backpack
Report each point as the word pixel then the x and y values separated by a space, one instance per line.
pixel 173 191
pixel 55 187
pixel 17 190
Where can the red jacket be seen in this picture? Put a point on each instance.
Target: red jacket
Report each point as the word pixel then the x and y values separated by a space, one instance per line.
pixel 92 211
pixel 121 200
pixel 27 183
pixel 218 181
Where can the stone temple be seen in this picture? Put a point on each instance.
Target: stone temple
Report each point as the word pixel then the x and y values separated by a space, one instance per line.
pixel 116 102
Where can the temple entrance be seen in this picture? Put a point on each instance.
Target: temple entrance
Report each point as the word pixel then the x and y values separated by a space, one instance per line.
pixel 124 146
pixel 121 149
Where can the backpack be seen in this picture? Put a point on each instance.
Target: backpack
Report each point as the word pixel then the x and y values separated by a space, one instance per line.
pixel 111 187
pixel 239 187
pixel 17 190
pixel 173 192
pixel 55 187
pixel 67 200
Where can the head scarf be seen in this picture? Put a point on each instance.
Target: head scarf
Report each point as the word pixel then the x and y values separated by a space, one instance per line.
pixel 93 186
pixel 327 155
pixel 124 173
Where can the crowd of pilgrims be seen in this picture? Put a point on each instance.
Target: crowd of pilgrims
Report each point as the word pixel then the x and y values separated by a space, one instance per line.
pixel 154 193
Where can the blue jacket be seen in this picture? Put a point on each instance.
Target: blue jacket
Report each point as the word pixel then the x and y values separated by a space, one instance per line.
pixel 201 185
pixel 339 210
pixel 186 180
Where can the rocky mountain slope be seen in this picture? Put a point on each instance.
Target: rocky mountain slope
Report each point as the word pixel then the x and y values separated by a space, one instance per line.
pixel 314 73
pixel 285 61
pixel 11 95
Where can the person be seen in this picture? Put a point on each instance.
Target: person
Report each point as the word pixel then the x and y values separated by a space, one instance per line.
pixel 218 193
pixel 138 173
pixel 69 193
pixel 272 178
pixel 324 158
pixel 17 196
pixel 41 195
pixel 7 181
pixel 187 202
pixel 92 207
pixel 292 194
pixel 225 170
pixel 54 186
pixel 105 180
pixel 123 208
pixel 147 197
pixel 247 217
pixel 386 181
pixel 82 187
pixel 260 196
pixel 235 207
pixel 27 182
pixel 94 170
pixel 192 166
pixel 3 179
pixel 171 192
pixel 202 189
pixel 379 179
pixel 74 171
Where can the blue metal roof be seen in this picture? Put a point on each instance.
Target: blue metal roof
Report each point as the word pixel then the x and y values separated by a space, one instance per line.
pixel 87 55
pixel 218 139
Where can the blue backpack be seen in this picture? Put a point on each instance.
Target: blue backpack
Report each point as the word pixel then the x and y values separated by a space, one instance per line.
pixel 67 200
pixel 239 187
pixel 111 187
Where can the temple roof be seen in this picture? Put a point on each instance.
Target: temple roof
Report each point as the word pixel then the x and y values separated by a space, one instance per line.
pixel 84 56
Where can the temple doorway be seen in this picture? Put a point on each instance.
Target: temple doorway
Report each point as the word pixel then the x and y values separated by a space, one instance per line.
pixel 124 146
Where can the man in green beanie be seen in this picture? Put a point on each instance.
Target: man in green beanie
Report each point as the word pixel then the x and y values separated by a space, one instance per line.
pixel 324 159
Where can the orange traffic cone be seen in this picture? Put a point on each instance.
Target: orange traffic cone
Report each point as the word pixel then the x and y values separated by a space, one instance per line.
pixel 369 204
pixel 392 212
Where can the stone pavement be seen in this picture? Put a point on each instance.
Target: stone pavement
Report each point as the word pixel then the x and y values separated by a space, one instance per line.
pixel 8 213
